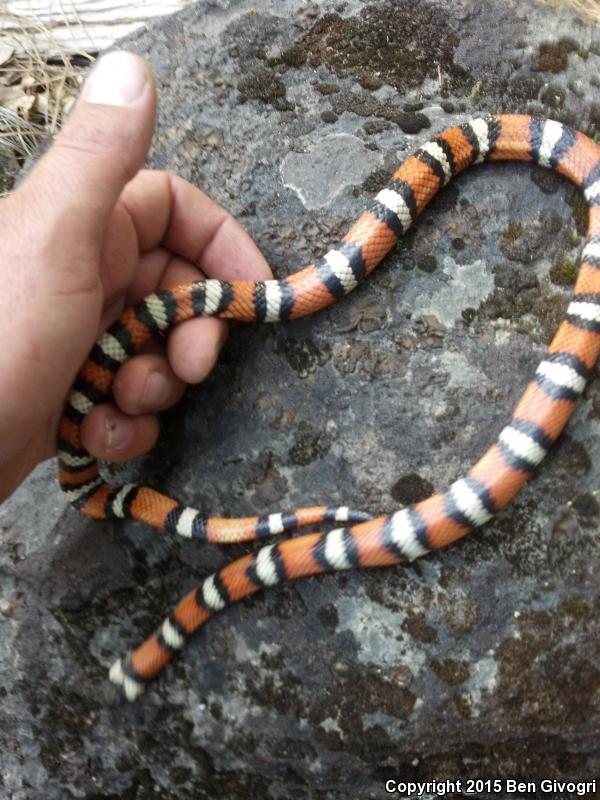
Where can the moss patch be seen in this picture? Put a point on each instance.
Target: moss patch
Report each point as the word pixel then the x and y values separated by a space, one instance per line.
pixel 303 355
pixel 525 87
pixel 263 84
pixel 553 56
pixel 563 272
pixel 427 263
pixel 402 43
pixel 580 211
pixel 450 671
pixel 309 445
pixel 417 626
pixel 553 97
pixel 411 488
pixel 513 231
pixel 550 310
pixel 364 105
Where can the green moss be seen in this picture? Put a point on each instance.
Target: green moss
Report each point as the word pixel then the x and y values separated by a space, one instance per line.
pixel 329 116
pixel 370 82
pixel 374 126
pixel 294 56
pixel 525 87
pixel 450 671
pixel 326 88
pixel 376 180
pixel 303 355
pixel 427 263
pixel 577 609
pixel 586 505
pixel 542 663
pixel 309 445
pixel 574 458
pixel 551 57
pixel 579 208
pixel 475 90
pixel 513 231
pixel 548 182
pixel 550 306
pixel 463 708
pixel 553 97
pixel 550 310
pixel 563 272
pixel 417 626
pixel 413 106
pixel 411 488
pixel 401 43
pixel 263 84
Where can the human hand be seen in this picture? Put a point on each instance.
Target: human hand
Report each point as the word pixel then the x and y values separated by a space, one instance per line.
pixel 85 235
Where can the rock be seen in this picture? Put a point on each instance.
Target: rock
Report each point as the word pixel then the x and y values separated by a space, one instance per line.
pixel 481 661
pixel 327 168
pixel 9 168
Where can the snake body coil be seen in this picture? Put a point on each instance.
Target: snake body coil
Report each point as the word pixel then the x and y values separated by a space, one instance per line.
pixel 538 419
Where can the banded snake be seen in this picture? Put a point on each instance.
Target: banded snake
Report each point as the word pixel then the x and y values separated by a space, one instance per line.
pixel 359 541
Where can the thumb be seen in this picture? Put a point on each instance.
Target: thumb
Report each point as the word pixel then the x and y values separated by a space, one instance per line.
pixel 101 147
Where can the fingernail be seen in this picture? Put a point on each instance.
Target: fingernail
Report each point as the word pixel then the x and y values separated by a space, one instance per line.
pixel 156 392
pixel 119 433
pixel 117 79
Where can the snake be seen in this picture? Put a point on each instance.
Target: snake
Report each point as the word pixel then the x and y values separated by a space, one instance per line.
pixel 344 538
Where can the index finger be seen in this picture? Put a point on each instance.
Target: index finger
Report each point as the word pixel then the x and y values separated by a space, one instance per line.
pixel 167 210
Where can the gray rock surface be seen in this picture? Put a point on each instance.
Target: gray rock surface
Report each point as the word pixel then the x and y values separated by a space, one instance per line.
pixel 9 169
pixel 481 661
